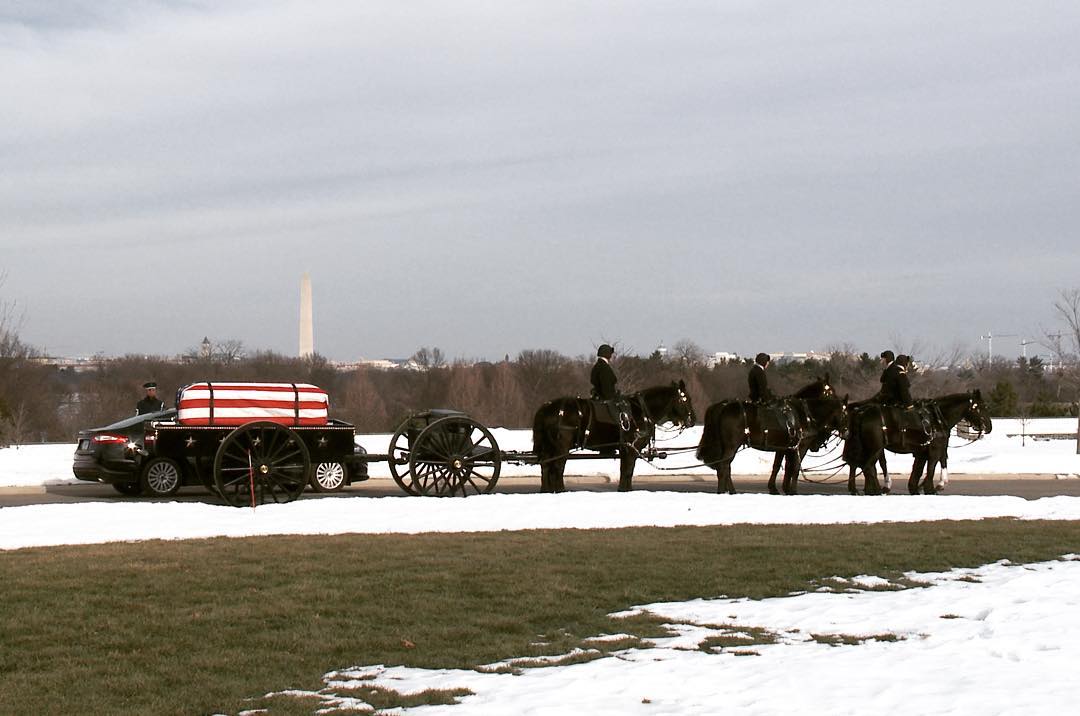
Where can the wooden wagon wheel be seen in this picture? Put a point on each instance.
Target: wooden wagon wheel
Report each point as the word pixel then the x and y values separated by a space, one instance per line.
pixel 261 462
pixel 399 453
pixel 455 456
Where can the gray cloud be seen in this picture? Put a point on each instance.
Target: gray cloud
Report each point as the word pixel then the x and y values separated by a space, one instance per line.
pixel 489 177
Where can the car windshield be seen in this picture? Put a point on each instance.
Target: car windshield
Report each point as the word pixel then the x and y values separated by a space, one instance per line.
pixel 137 419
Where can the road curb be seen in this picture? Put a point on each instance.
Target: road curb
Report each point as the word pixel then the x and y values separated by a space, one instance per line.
pixel 23 490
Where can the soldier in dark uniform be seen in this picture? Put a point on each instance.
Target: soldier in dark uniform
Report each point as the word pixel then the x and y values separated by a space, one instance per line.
pixel 769 417
pixel 603 376
pixel 759 384
pixel 902 389
pixel 895 386
pixel 610 416
pixel 888 359
pixel 151 403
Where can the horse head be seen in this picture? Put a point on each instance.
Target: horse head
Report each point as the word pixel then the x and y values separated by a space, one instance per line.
pixel 666 404
pixel 977 414
pixel 829 413
pixel 682 410
pixel 839 422
pixel 820 388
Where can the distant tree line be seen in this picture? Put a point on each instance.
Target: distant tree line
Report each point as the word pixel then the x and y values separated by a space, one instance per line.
pixel 39 402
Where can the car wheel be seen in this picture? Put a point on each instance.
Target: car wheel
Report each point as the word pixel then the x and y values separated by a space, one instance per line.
pixel 128 489
pixel 161 477
pixel 328 477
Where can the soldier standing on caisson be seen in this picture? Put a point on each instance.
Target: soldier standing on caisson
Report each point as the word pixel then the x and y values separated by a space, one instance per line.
pixel 603 376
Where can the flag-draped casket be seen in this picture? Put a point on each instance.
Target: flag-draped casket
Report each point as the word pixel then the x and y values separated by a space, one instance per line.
pixel 289 404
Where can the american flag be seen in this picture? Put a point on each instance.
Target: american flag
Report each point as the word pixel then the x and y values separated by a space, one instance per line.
pixel 238 403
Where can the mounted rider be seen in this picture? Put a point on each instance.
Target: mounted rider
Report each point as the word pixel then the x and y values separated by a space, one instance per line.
pixel 895 385
pixel 905 420
pixel 766 413
pixel 611 421
pixel 603 376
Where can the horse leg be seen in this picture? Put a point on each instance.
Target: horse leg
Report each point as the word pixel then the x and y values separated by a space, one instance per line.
pixel 928 484
pixel 627 460
pixel 558 467
pixel 916 475
pixel 545 477
pixel 791 471
pixel 777 459
pixel 943 482
pixel 719 476
pixel 724 483
pixel 871 486
pixel 885 479
pixel 851 479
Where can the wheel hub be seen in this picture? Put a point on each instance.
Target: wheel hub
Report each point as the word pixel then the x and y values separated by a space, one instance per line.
pixel 264 469
pixel 457 463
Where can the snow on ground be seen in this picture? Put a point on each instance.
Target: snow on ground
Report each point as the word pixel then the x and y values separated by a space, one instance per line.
pixel 1004 451
pixel 998 639
pixel 99 522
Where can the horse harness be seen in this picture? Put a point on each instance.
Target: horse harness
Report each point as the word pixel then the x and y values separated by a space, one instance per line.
pixel 787 419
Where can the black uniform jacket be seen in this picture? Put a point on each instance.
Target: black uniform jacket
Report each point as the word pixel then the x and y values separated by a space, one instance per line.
pixel 603 380
pixel 895 386
pixel 759 384
pixel 149 405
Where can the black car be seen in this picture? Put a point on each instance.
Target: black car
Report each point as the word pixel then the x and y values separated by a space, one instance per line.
pixel 124 455
pixel 117 454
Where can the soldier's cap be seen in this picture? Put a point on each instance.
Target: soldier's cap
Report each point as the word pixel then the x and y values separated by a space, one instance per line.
pixel 605 351
pixel 149 385
pixel 762 359
pixel 903 360
pixel 888 355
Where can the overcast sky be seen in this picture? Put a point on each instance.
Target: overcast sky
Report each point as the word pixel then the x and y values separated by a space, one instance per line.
pixel 492 176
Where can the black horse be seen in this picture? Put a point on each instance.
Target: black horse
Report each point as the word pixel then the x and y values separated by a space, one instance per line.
pixel 562 425
pixel 816 436
pixel 922 432
pixel 814 412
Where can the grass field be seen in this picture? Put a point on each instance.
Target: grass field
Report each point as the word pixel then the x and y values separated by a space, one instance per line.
pixel 210 626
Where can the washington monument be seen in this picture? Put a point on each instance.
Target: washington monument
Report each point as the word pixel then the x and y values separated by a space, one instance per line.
pixel 307 339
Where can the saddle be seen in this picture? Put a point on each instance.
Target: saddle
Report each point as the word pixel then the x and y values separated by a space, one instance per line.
pixel 610 424
pixel 773 425
pixel 907 428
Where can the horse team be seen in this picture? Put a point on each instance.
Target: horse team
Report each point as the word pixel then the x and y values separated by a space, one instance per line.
pixel 790 427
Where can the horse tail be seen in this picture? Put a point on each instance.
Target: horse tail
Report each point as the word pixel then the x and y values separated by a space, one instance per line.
pixel 542 439
pixel 549 424
pixel 711 445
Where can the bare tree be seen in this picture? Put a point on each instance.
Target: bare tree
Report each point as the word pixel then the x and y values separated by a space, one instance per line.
pixel 507 406
pixel 10 322
pixel 229 350
pixel 465 388
pixel 1065 344
pixel 428 358
pixel 688 353
pixel 18 424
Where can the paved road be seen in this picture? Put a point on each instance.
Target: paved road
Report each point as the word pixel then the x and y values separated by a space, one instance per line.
pixel 1026 486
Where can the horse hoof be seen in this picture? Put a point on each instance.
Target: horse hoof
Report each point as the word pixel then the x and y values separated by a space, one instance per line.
pixel 774 491
pixel 886 491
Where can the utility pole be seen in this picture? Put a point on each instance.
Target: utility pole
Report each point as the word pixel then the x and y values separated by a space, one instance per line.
pixel 1024 343
pixel 989 338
